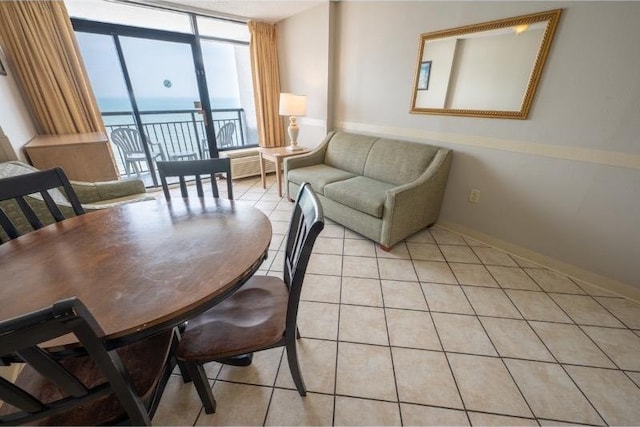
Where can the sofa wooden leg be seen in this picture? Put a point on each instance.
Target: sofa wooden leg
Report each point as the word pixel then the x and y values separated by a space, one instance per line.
pixel 385 248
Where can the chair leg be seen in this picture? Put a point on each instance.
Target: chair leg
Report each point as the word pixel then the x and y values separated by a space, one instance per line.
pixel 199 377
pixel 184 371
pixel 294 366
pixel 182 365
pixel 127 167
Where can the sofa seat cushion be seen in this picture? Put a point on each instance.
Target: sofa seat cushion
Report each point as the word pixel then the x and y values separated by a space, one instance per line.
pixel 318 176
pixel 360 193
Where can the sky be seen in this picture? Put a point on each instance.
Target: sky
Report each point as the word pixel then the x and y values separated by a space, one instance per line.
pixel 158 69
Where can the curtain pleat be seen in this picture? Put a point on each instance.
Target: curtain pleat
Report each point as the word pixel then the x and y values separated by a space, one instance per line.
pixel 38 40
pixel 266 83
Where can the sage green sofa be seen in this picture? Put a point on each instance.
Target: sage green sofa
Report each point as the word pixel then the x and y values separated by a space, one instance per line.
pixel 92 195
pixel 381 188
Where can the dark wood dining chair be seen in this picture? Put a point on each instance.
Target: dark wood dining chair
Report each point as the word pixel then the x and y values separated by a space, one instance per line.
pixel 39 184
pixel 198 169
pixel 99 387
pixel 262 314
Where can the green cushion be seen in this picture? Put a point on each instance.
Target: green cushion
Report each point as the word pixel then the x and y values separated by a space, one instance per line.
pixel 15 168
pixel 92 196
pixel 318 176
pixel 398 162
pixel 349 152
pixel 360 193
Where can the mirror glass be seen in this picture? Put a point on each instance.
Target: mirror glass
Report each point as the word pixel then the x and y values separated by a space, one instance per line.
pixel 488 70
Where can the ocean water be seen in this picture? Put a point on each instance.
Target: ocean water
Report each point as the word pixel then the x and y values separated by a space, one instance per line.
pixel 117 104
pixel 175 132
pixel 123 105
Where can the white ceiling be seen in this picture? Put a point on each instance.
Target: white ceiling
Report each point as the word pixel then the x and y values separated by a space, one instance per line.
pixel 263 10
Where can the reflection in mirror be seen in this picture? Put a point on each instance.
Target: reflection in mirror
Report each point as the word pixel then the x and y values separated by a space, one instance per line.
pixel 489 70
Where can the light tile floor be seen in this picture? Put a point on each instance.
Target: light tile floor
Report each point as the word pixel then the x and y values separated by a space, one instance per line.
pixel 442 330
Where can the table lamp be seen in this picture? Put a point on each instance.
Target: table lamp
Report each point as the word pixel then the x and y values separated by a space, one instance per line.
pixel 293 105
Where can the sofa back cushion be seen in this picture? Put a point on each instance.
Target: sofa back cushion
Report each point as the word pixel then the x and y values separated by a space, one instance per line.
pixel 398 162
pixel 348 151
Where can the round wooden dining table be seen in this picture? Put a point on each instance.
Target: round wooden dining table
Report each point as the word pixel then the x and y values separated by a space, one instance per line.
pixel 140 268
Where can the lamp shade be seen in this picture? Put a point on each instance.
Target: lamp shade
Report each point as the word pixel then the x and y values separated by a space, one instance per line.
pixel 293 105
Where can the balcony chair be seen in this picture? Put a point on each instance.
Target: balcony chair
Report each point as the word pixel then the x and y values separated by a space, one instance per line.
pixel 262 314
pixel 16 188
pixel 199 169
pixel 100 387
pixel 92 196
pixel 129 142
pixel 224 137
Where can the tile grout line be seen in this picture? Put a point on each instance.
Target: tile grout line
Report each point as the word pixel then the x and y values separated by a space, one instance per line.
pixel 557 362
pixel 433 323
pixel 477 316
pixel 386 324
pixel 273 388
pixel 335 375
pixel 494 346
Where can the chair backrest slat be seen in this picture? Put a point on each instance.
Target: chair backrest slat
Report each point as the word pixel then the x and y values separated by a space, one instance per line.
pixel 183 187
pixel 29 213
pixel 20 338
pixel 56 373
pixel 7 226
pixel 307 221
pixel 15 396
pixel 53 208
pixel 34 185
pixel 199 188
pixel 199 169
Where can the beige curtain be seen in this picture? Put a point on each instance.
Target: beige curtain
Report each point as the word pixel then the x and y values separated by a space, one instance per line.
pixel 38 40
pixel 266 83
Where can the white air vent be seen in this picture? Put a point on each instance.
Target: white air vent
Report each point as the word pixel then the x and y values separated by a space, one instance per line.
pixel 246 163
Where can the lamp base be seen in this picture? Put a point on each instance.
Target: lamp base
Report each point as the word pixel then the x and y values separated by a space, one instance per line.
pixel 293 148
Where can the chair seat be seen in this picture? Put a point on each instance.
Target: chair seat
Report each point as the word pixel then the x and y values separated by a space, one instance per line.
pixel 183 155
pixel 253 318
pixel 144 360
pixel 140 157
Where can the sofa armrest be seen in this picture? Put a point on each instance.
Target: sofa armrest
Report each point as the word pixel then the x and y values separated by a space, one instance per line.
pixel 92 192
pixel 314 157
pixel 410 207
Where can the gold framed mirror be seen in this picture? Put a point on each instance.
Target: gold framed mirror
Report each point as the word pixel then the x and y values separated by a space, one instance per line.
pixel 490 69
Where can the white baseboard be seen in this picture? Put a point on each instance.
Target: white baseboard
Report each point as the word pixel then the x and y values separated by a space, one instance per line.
pixel 602 282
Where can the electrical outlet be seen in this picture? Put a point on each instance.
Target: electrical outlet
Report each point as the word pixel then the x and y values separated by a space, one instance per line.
pixel 474 196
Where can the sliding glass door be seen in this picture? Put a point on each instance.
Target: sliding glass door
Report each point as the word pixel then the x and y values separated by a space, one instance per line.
pixel 188 92
pixel 148 88
pixel 165 87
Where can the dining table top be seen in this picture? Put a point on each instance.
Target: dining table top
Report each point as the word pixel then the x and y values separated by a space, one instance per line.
pixel 140 267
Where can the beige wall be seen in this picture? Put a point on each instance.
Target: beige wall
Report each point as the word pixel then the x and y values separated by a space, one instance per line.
pixel 564 184
pixel 305 68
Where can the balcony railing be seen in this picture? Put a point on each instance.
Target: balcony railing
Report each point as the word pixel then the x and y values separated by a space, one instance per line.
pixel 180 133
